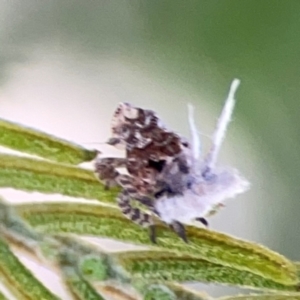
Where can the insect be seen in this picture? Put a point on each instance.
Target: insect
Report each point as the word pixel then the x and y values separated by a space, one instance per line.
pixel 165 171
pixel 149 147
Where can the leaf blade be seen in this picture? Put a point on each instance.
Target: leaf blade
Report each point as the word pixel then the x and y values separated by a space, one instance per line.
pixel 215 247
pixel 30 174
pixel 31 141
pixel 18 279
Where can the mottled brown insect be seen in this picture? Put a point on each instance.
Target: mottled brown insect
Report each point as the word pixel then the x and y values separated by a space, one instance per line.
pixel 150 149
pixel 165 172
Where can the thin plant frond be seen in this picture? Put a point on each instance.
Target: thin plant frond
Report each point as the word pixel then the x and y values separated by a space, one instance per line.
pixel 113 291
pixel 30 174
pixel 212 246
pixel 18 279
pixel 171 267
pixel 32 141
pixel 76 283
pixel 297 265
pixel 274 296
pixel 183 292
pixel 2 297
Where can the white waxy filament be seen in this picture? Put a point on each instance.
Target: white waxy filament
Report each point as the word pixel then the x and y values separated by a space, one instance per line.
pixel 194 133
pixel 222 125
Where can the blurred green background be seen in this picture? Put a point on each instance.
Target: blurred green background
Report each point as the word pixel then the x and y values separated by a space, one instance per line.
pixel 64 66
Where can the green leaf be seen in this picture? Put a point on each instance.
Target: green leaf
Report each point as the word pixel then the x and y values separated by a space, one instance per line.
pixel 174 267
pixel 48 177
pixel 20 280
pixel 80 287
pixel 185 293
pixel 297 265
pixel 281 296
pixel 159 292
pixel 99 268
pixel 90 261
pixel 2 297
pixel 14 228
pixel 205 244
pixel 68 260
pixel 31 141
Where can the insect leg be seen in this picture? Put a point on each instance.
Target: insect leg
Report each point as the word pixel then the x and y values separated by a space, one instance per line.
pixel 180 230
pixel 133 213
pixel 203 221
pixel 105 169
pixel 125 181
pixel 136 215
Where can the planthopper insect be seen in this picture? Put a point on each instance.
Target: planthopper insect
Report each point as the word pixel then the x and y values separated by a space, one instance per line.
pixel 165 171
